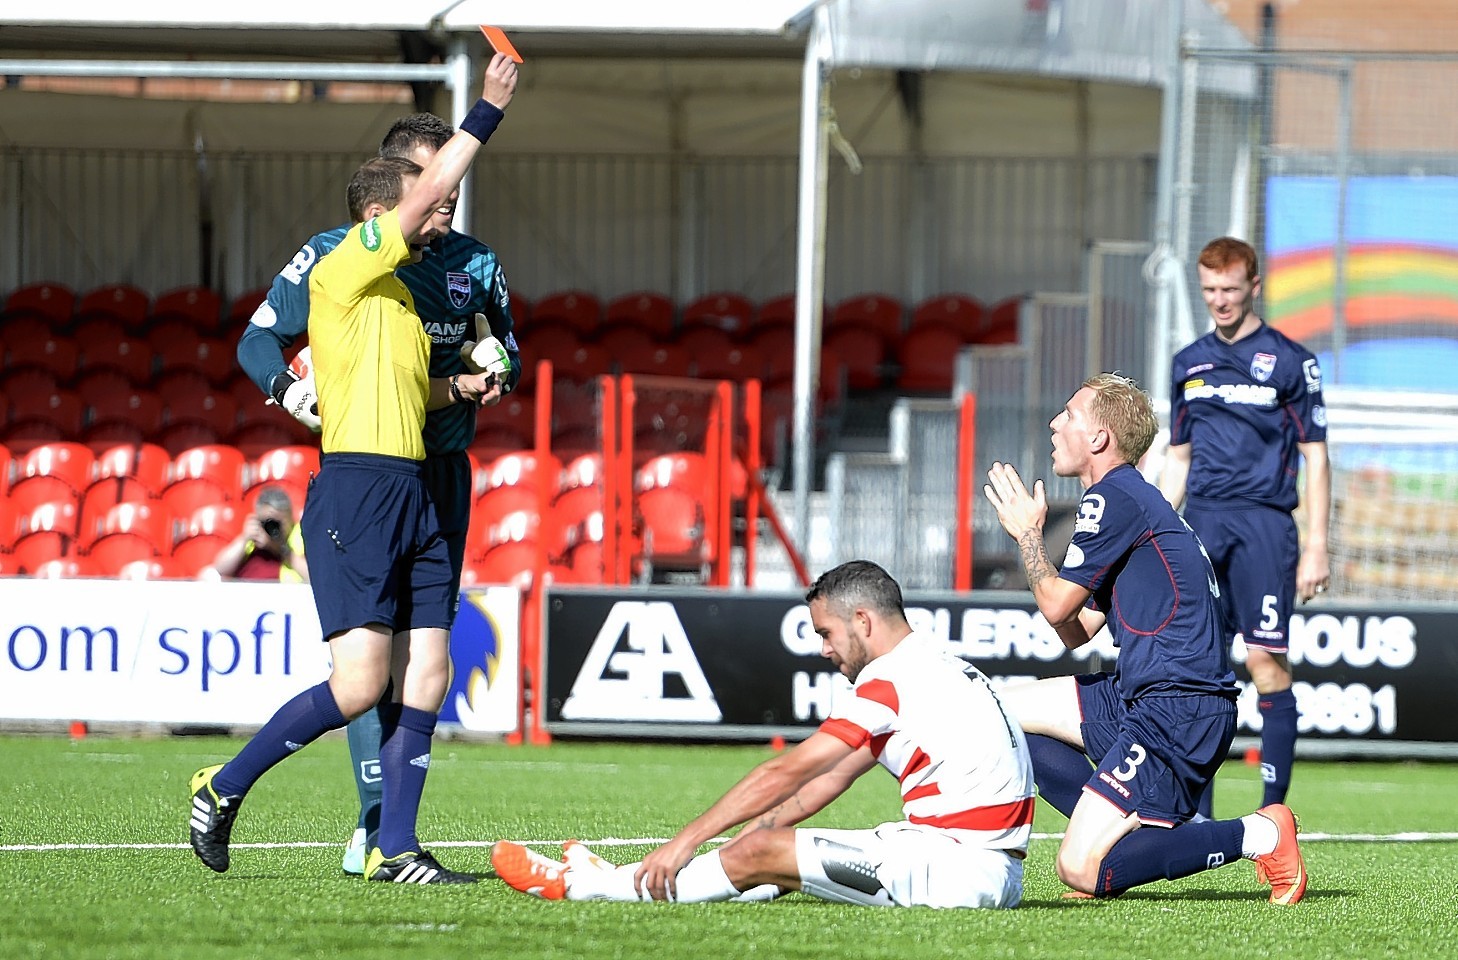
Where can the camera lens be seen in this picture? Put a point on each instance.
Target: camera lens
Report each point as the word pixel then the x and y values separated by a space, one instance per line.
pixel 272 527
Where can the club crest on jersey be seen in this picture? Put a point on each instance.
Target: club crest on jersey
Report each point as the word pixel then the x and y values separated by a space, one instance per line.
pixel 369 234
pixel 458 285
pixel 1262 365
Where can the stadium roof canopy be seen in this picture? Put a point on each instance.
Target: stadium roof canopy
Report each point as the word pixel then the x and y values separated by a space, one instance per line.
pixel 1112 40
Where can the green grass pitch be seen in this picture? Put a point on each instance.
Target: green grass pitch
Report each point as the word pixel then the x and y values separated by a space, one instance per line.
pixel 132 888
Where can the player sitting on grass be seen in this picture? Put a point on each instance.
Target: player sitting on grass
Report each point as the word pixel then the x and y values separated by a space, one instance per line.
pixel 928 717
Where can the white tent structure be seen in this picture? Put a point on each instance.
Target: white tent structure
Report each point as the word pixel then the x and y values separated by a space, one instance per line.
pixel 1075 79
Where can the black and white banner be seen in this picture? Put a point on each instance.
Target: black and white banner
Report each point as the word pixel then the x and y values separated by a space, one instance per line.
pixel 693 663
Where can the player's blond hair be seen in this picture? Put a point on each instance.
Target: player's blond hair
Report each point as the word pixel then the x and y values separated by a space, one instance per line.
pixel 1126 410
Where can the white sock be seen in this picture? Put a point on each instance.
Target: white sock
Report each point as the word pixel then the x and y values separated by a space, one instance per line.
pixel 1261 836
pixel 765 892
pixel 703 880
pixel 594 884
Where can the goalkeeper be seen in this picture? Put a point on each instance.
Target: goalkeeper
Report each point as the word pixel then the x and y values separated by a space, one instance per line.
pixel 460 294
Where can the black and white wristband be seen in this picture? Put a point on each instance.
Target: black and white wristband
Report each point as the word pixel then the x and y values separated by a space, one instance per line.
pixel 456 390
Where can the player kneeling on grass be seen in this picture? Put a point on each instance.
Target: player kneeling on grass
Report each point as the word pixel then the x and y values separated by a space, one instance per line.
pixel 928 717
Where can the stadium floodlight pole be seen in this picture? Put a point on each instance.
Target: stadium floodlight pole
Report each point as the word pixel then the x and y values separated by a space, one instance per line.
pixel 460 63
pixel 1163 269
pixel 810 262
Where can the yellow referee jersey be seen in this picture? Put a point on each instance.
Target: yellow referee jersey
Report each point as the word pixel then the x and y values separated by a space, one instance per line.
pixel 371 352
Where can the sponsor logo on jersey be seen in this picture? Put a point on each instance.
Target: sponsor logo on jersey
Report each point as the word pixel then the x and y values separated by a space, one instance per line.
pixel 510 342
pixel 1312 371
pixel 458 285
pixel 446 332
pixel 1199 368
pixel 1248 394
pixel 1090 514
pixel 1262 365
pixel 1318 415
pixel 1074 557
pixel 642 667
pixel 369 234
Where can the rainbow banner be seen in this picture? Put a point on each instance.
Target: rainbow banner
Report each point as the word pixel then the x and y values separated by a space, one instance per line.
pixel 1401 275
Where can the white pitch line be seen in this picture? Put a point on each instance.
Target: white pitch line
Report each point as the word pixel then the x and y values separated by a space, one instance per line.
pixel 1405 837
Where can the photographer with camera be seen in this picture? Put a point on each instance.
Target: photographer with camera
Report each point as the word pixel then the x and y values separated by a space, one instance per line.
pixel 271 546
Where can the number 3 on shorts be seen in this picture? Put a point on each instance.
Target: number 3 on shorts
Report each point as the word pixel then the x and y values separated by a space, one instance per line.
pixel 1126 772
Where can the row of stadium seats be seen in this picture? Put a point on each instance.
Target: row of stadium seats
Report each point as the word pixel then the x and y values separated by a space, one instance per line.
pixel 103 343
pixel 134 511
pixel 203 311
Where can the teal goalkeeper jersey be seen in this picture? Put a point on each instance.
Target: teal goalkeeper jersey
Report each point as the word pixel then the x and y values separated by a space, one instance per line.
pixel 458 278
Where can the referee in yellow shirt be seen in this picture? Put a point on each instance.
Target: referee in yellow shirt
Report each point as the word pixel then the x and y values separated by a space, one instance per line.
pixel 379 567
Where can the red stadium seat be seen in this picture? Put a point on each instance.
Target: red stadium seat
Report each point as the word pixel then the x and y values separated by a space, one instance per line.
pixel 105 494
pixel 145 463
pixel 200 307
pixel 779 310
pixel 550 339
pixel 243 305
pixel 630 348
pixel 52 303
pixel 775 346
pixel 583 550
pixel 46 533
pixel 63 467
pixel 145 520
pixel 125 303
pixel 521 309
pixel 64 568
pixel 96 329
pixel 583 364
pixel 27 496
pixel 673 526
pixel 506 563
pixel 130 356
pixel 60 410
pixel 853 351
pixel 20 386
pixel 256 437
pixel 177 438
pixel 499 503
pixel 55 354
pixel 192 555
pixel 289 467
pixel 141 408
pixel 963 314
pixel 97 386
pixel 145 568
pixel 510 425
pixel 685 469
pixel 646 310
pixel 180 389
pixel 212 520
pixel 727 311
pixel 928 356
pixel 577 308
pixel 875 311
pixel 1001 324
pixel 519 468
pixel 203 475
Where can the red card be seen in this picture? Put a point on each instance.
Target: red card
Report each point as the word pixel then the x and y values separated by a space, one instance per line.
pixel 499 43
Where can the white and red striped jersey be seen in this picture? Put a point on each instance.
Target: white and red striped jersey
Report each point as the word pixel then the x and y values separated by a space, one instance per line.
pixel 933 721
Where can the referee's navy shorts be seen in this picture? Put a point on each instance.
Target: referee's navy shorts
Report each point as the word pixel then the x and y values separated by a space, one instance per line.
pixel 374 547
pixel 1254 550
pixel 1153 755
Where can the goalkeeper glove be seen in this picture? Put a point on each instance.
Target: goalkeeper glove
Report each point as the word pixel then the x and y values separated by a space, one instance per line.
pixel 487 354
pixel 298 397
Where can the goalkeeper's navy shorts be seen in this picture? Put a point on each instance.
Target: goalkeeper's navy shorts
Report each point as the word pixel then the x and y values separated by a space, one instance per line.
pixel 1254 550
pixel 373 546
pixel 448 481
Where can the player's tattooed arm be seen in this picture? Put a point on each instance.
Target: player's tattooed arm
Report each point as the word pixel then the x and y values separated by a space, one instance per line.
pixel 1034 554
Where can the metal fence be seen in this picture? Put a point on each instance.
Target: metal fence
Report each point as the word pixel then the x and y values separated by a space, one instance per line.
pixel 1340 168
pixel 607 224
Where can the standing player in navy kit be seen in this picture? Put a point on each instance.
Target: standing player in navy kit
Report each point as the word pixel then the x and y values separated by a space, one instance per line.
pixel 1161 723
pixel 1245 401
pixel 458 284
